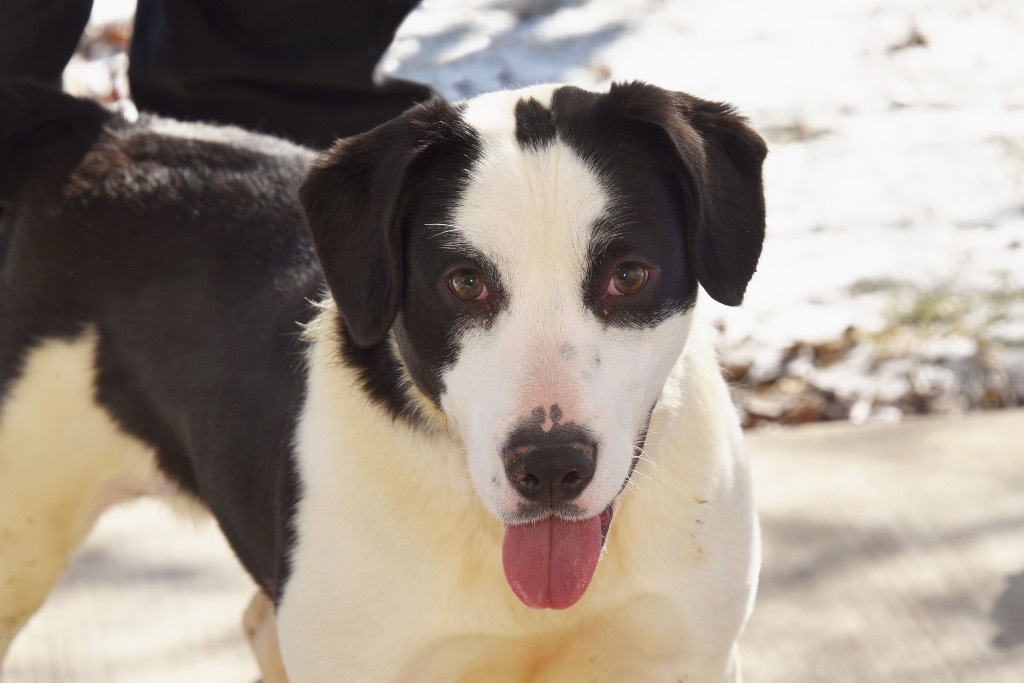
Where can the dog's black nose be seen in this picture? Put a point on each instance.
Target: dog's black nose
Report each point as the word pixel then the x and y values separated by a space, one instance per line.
pixel 548 472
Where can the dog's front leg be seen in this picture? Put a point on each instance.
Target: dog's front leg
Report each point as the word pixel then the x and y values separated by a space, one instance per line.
pixel 261 632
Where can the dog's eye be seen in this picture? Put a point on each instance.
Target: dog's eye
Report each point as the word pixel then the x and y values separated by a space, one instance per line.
pixel 629 278
pixel 468 284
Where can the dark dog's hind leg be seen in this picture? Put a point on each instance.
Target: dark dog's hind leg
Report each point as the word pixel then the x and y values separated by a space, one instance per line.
pixel 62 462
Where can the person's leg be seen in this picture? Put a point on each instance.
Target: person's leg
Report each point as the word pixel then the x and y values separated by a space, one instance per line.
pixel 38 37
pixel 301 69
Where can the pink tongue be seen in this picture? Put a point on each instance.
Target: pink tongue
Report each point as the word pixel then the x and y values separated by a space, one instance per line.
pixel 550 563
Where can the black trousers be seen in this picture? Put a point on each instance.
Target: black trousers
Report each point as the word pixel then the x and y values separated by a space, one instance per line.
pixel 300 69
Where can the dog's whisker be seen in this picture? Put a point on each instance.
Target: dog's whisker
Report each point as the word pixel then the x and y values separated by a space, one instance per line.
pixel 439 233
pixel 648 478
pixel 647 458
pixel 638 490
pixel 451 228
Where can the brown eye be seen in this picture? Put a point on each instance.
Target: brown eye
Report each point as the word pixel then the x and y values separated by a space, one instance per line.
pixel 468 284
pixel 629 278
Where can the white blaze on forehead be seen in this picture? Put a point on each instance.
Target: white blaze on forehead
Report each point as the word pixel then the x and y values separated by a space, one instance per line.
pixel 495 112
pixel 530 210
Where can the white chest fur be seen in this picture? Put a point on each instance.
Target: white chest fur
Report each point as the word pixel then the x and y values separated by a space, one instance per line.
pixel 397 570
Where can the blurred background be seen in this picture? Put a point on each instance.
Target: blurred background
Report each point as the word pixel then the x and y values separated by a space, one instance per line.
pixel 891 287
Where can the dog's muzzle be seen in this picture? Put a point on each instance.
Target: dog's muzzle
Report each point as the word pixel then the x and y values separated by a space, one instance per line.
pixel 550 559
pixel 551 556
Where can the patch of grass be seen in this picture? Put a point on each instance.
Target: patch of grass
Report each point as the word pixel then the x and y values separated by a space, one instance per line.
pixel 928 309
pixel 948 309
pixel 796 131
pixel 872 285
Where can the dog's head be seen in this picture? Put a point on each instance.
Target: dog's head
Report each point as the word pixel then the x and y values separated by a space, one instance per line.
pixel 534 257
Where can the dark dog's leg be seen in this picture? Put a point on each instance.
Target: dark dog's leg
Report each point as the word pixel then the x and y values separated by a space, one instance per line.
pixel 62 462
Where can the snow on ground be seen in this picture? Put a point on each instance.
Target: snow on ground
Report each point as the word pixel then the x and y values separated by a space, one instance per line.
pixel 892 279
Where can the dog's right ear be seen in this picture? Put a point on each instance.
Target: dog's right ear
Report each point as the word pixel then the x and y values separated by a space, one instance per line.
pixel 354 196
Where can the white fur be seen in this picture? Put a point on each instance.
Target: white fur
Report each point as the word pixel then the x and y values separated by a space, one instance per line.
pixel 62 462
pixel 669 598
pixel 677 578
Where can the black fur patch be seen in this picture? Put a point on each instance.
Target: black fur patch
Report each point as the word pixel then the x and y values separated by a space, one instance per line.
pixel 433 321
pixel 534 127
pixel 387 248
pixel 380 374
pixel 686 177
pixel 702 150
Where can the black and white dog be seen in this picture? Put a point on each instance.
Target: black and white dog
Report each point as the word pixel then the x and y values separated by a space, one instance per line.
pixel 506 403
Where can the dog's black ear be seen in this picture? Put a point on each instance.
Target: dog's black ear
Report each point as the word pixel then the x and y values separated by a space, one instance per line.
pixel 354 196
pixel 719 162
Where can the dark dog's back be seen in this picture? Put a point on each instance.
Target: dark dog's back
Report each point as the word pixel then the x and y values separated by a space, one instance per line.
pixel 153 234
pixel 43 136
